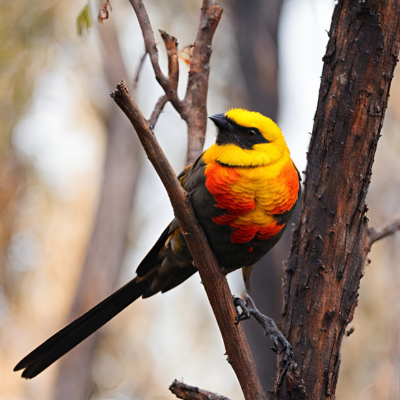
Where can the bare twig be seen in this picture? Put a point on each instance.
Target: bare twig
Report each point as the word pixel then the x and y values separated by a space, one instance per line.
pixel 193 109
pixel 385 230
pixel 215 283
pixel 151 49
pixel 171 44
pixel 162 101
pixel 186 392
pixel 139 70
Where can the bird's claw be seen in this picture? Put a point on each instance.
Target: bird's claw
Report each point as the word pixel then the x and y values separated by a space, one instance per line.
pixel 245 314
pixel 277 337
pixel 281 344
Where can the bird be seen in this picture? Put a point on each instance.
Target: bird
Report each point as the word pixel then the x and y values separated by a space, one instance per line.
pixel 243 190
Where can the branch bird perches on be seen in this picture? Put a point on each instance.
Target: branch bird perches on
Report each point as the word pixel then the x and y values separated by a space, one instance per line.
pixel 215 283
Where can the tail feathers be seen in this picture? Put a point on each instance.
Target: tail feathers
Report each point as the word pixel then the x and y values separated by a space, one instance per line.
pixel 69 337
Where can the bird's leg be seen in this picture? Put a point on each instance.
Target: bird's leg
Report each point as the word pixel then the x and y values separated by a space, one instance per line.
pixel 281 344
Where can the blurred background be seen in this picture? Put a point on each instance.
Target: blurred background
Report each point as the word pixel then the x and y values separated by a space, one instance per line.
pixel 80 204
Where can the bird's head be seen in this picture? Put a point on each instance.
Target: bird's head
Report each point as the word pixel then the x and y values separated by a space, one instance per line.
pixel 247 138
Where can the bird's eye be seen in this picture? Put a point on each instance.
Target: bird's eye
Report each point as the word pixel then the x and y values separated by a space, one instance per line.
pixel 251 133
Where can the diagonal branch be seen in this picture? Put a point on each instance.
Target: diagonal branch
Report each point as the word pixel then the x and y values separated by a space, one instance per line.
pixel 187 392
pixel 139 70
pixel 151 49
pixel 215 283
pixel 158 108
pixel 385 230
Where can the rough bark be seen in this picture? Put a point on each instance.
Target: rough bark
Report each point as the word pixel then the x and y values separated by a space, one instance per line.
pixel 331 243
pixel 107 244
pixel 215 283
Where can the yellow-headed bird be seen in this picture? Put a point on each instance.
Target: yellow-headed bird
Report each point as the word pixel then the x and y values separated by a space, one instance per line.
pixel 244 189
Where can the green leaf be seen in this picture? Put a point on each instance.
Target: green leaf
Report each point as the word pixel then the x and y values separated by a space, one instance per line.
pixel 84 20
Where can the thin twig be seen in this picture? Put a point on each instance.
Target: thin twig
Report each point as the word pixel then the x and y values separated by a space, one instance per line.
pixel 151 49
pixel 187 392
pixel 139 69
pixel 162 101
pixel 215 283
pixel 171 44
pixel 193 109
pixel 385 230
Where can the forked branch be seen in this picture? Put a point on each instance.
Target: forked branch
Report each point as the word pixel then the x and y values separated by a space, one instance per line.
pixel 193 109
pixel 151 49
pixel 162 101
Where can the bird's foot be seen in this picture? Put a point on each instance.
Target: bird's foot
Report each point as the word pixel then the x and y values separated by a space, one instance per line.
pixel 281 344
pixel 245 314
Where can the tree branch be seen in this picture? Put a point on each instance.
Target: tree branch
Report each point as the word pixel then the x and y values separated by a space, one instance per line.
pixel 197 88
pixel 193 109
pixel 215 283
pixel 385 230
pixel 162 101
pixel 171 44
pixel 139 69
pixel 151 49
pixel 186 392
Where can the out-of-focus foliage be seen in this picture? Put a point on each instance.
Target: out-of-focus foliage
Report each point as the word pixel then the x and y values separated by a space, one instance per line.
pixel 84 20
pixel 25 31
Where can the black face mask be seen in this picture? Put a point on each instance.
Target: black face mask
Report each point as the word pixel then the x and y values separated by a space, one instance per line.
pixel 229 132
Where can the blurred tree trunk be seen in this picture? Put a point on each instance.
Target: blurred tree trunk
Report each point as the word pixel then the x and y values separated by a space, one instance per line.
pixel 257 39
pixel 107 245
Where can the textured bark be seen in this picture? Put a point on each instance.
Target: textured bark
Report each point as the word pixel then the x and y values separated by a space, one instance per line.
pixel 214 281
pixel 107 245
pixel 331 242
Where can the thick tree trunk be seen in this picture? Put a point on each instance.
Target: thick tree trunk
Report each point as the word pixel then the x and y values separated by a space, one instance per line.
pixel 107 244
pixel 331 242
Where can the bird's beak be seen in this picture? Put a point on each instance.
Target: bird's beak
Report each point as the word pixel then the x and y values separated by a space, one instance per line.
pixel 220 121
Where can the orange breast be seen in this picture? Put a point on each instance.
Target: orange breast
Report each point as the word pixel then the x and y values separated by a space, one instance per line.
pixel 252 197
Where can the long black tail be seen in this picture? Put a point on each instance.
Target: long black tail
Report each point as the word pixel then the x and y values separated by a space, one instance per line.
pixel 77 331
